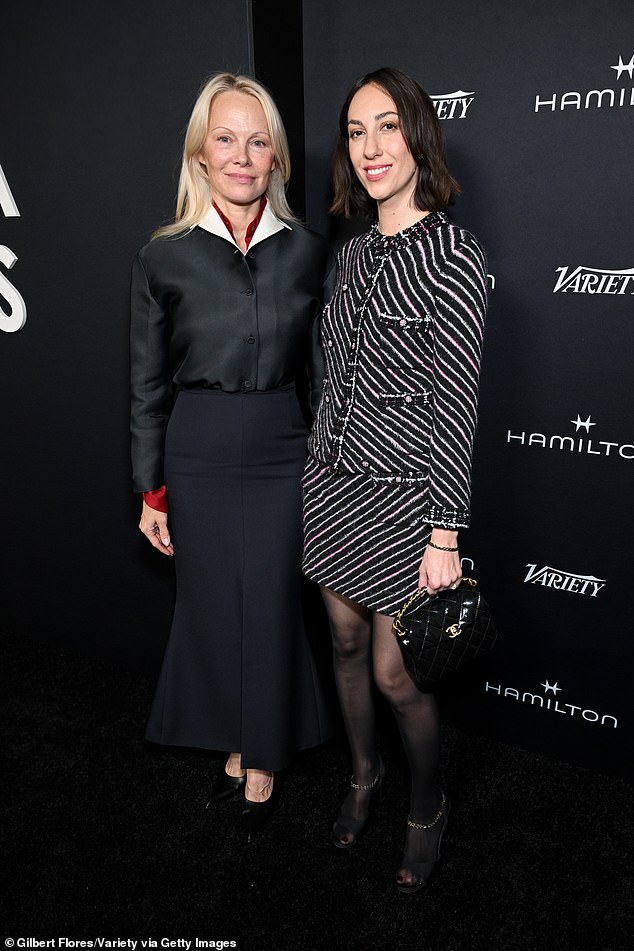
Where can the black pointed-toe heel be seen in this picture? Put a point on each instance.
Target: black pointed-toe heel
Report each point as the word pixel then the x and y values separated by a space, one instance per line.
pixel 226 787
pixel 424 870
pixel 347 825
pixel 255 815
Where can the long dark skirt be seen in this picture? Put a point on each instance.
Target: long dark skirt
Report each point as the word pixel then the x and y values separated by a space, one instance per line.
pixel 239 674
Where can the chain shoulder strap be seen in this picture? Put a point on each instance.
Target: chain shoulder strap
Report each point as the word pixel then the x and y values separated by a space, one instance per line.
pixel 421 593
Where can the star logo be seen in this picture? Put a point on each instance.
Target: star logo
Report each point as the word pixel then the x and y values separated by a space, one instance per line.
pixel 580 423
pixel 624 67
pixel 554 687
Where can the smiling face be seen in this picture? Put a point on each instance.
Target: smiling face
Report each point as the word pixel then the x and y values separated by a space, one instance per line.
pixel 237 152
pixel 379 154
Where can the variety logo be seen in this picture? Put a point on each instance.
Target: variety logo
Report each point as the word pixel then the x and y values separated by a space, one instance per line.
pixel 593 98
pixel 551 704
pixel 576 444
pixel 564 580
pixel 590 280
pixel 453 105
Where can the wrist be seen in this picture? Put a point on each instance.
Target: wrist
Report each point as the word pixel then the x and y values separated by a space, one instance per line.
pixel 444 536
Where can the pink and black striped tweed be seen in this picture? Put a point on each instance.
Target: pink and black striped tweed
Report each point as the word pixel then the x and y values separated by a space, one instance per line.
pixel 390 451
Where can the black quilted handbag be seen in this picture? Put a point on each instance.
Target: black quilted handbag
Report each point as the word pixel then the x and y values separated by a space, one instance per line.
pixel 438 635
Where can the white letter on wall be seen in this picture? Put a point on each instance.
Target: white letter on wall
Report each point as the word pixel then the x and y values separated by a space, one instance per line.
pixel 7 201
pixel 16 318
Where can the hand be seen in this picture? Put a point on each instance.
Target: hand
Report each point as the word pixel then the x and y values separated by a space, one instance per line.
pixel 439 570
pixel 153 524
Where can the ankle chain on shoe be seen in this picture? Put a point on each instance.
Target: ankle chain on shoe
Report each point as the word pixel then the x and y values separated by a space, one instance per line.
pixel 428 825
pixel 370 785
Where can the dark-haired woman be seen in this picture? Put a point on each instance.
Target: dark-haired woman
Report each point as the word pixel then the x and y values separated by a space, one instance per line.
pixel 387 483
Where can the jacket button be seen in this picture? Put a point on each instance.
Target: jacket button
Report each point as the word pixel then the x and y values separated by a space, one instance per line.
pixel 247 385
pixel 248 292
pixel 250 339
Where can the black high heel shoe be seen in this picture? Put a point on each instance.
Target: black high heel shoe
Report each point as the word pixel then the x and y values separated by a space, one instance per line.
pixel 255 815
pixel 424 870
pixel 347 825
pixel 225 786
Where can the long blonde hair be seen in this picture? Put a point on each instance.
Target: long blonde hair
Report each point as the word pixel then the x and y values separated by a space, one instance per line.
pixel 194 193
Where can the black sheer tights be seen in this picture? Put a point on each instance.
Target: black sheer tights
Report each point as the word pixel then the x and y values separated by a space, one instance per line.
pixel 364 648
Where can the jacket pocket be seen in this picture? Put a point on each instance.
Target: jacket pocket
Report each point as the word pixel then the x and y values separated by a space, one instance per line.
pixel 406 422
pixel 403 338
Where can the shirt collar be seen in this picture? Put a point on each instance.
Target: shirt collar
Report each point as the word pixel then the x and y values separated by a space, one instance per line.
pixel 268 225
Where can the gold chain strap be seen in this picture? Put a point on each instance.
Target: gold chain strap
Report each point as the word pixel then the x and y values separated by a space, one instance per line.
pixel 398 625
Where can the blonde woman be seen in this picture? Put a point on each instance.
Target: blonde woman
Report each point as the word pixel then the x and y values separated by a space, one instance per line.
pixel 223 343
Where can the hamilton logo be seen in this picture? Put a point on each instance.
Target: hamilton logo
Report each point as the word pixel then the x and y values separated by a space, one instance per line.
pixel 591 280
pixel 551 703
pixel 452 105
pixel 607 98
pixel 624 67
pixel 578 444
pixel 564 581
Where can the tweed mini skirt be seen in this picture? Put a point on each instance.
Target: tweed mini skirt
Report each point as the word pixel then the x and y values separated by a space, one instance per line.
pixel 363 538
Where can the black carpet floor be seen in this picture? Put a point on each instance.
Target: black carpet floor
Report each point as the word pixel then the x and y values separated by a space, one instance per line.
pixel 107 836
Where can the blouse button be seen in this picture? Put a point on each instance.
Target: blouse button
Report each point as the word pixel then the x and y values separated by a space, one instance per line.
pixel 403 323
pixel 344 287
pixel 327 399
pixel 365 464
pixel 408 399
pixel 399 479
pixel 330 343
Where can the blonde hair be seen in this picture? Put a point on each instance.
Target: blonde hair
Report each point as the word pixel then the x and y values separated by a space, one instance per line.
pixel 194 193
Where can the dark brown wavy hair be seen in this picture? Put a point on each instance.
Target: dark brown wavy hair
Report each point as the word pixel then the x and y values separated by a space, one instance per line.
pixel 436 187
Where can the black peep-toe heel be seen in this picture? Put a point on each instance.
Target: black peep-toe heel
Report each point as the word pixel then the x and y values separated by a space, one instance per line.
pixel 424 870
pixel 346 825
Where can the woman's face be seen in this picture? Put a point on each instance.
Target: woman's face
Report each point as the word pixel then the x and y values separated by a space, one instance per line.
pixel 378 151
pixel 237 151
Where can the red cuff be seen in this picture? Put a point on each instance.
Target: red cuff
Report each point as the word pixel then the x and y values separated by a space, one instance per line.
pixel 156 499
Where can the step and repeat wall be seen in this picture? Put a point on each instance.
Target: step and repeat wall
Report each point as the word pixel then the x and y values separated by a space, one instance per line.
pixel 537 105
pixel 95 99
pixel 537 102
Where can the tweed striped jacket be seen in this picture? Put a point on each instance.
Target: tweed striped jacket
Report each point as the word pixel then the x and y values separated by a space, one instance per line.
pixel 402 339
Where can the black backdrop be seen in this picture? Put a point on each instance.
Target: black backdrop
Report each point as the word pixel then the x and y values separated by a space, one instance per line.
pixel 537 106
pixel 545 188
pixel 96 96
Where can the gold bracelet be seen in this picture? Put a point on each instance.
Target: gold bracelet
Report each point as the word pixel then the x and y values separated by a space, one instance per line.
pixel 441 547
